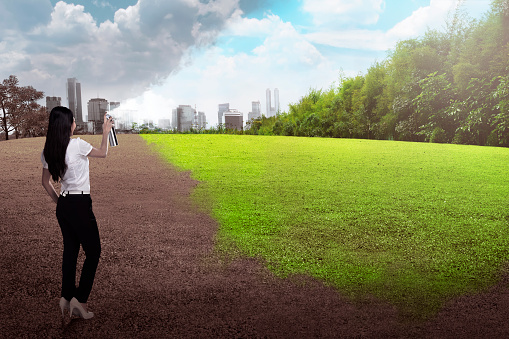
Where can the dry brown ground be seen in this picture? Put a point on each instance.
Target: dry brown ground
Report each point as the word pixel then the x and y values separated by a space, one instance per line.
pixel 160 277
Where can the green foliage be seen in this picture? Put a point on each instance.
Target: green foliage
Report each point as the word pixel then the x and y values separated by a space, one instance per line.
pixel 445 80
pixel 438 136
pixel 412 223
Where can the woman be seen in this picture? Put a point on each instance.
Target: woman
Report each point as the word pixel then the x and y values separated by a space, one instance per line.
pixel 66 160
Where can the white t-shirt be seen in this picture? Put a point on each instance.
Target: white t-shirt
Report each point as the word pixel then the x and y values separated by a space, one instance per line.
pixel 76 177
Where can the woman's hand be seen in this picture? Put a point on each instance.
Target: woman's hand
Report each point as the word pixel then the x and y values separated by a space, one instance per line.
pixel 102 152
pixel 107 124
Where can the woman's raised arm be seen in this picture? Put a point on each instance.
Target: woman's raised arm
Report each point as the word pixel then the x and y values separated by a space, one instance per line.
pixel 102 152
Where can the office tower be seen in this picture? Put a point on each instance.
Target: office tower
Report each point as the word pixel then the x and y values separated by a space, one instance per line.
pixel 185 117
pixel 272 111
pixel 52 102
pixel 233 119
pixel 268 103
pixel 222 108
pixel 79 106
pixel 255 111
pixel 74 99
pixel 202 120
pixel 256 107
pixel 96 109
pixel 174 119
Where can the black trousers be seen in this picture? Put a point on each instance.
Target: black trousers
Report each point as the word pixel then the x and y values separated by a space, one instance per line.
pixel 79 227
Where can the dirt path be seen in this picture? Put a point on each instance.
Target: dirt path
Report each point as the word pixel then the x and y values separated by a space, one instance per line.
pixel 159 276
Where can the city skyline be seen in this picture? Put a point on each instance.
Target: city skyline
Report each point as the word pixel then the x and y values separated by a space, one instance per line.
pixel 137 53
pixel 97 105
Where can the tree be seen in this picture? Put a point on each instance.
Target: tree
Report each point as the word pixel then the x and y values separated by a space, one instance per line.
pixel 18 106
pixel 36 124
pixel 501 120
pixel 434 106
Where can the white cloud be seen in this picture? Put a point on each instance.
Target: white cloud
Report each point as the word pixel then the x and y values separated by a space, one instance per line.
pixel 429 17
pixel 116 60
pixel 432 16
pixel 285 60
pixel 251 27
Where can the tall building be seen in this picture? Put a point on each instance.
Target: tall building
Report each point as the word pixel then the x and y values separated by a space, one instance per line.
pixel 185 117
pixel 272 111
pixel 255 111
pixel 74 99
pixel 222 108
pixel 52 102
pixel 233 119
pixel 202 120
pixel 268 105
pixel 97 107
pixel 174 119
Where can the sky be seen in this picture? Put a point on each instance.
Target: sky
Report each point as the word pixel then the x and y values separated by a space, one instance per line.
pixel 153 55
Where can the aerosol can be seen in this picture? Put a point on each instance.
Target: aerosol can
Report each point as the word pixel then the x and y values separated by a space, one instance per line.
pixel 112 137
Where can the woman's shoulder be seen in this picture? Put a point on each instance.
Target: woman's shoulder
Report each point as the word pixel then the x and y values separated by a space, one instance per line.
pixel 78 141
pixel 80 146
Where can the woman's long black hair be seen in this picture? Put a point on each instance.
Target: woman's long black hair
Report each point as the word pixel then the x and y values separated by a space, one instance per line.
pixel 57 139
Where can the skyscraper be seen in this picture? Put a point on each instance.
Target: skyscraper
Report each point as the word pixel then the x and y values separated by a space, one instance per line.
pixel 268 103
pixel 74 98
pixel 222 108
pixel 185 117
pixel 97 107
pixel 174 118
pixel 202 120
pixel 255 111
pixel 272 111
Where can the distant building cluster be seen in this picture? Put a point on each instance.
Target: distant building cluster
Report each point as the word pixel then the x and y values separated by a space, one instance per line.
pixel 183 118
pixel 96 108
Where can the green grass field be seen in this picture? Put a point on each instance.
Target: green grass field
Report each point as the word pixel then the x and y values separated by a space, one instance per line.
pixel 411 223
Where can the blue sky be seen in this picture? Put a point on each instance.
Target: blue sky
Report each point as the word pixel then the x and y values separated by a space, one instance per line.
pixel 153 55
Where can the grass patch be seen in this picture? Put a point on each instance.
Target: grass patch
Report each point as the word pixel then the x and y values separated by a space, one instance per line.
pixel 412 223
